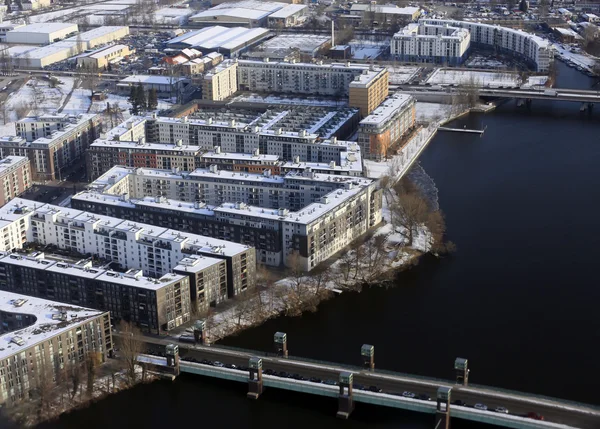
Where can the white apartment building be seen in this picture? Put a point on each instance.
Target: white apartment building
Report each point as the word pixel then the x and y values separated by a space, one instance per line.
pixel 154 250
pixel 221 82
pixel 535 50
pixel 425 43
pixel 313 215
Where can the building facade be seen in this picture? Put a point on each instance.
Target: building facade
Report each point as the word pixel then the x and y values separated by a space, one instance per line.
pixel 132 245
pixel 366 86
pixel 221 82
pixel 533 49
pixel 156 305
pixel 386 126
pixel 50 337
pixel 307 214
pixel 52 142
pixel 15 177
pixel 424 43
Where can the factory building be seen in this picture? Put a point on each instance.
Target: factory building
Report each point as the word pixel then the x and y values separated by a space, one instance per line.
pixel 288 16
pixel 166 86
pixel 15 177
pixel 230 42
pixel 52 142
pixel 386 126
pixel 535 50
pixel 309 215
pixel 40 33
pixel 425 43
pixel 130 245
pixel 101 58
pixel 39 335
pixel 249 13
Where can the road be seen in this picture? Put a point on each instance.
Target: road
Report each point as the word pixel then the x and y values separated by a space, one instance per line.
pixel 578 415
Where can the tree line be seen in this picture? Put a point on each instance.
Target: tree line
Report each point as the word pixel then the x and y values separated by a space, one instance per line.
pixel 142 101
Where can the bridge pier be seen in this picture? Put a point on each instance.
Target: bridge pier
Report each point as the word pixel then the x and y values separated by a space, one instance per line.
pixel 520 102
pixel 345 401
pixel 461 368
pixel 172 354
pixel 200 332
pixel 442 413
pixel 255 380
pixel 280 341
pixel 367 352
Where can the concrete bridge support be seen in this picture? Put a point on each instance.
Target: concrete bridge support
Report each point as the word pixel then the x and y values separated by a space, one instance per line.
pixel 586 107
pixel 367 352
pixel 200 332
pixel 172 354
pixel 280 340
pixel 255 380
pixel 442 413
pixel 461 368
pixel 520 102
pixel 345 401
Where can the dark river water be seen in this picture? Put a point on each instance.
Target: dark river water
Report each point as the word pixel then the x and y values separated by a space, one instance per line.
pixel 519 298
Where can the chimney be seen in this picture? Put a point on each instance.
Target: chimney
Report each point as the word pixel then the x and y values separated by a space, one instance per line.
pixel 332 34
pixel 217 149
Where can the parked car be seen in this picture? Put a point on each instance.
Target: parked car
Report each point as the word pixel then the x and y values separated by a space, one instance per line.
pixel 408 395
pixel 481 407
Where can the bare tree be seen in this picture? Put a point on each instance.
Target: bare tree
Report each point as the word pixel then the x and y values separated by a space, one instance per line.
pixel 131 347
pixel 410 209
pixel 90 79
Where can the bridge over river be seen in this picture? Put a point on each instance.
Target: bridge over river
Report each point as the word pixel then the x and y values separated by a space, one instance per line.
pixel 355 384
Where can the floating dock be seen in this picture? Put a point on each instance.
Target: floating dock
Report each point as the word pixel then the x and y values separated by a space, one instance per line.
pixel 462 130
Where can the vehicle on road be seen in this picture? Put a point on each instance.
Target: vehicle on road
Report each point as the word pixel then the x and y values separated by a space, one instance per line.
pixel 501 410
pixel 551 92
pixel 218 364
pixel 330 382
pixel 460 403
pixel 359 386
pixel 535 416
pixel 375 389
pixel 424 397
pixel 481 407
pixel 315 380
pixel 408 395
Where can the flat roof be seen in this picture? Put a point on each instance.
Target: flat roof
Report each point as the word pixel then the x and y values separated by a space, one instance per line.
pixel 107 51
pixel 45 27
pixel 268 6
pixel 218 36
pixel 153 146
pixel 45 326
pixel 86 36
pixel 11 161
pixel 286 42
pixel 236 12
pixel 49 50
pixel 288 10
pixel 152 79
pixel 387 109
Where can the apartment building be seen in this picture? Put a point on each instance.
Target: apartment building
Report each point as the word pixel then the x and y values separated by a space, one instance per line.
pixel 535 50
pixel 386 126
pixel 366 86
pixel 132 245
pixel 221 82
pixel 156 305
pixel 312 215
pixel 51 142
pixel 162 142
pixel 425 43
pixel 40 338
pixel 207 278
pixel 15 177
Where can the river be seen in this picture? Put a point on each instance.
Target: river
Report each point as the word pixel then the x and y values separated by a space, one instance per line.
pixel 518 298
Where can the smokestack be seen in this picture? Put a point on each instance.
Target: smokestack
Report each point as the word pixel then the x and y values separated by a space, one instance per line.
pixel 332 35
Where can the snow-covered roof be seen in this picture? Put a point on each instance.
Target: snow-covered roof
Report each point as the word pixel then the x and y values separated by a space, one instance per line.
pixel 152 79
pixel 107 51
pixel 287 11
pixel 304 42
pixel 47 323
pixel 267 6
pixel 87 36
pixel 45 27
pixel 10 161
pixel 237 12
pixel 388 108
pixel 219 36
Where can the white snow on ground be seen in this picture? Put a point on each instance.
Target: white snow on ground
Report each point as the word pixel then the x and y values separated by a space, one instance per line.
pixel 272 99
pixel 534 81
pixel 79 102
pixel 123 104
pixel 581 59
pixel 432 112
pixel 48 100
pixel 401 74
pixel 466 77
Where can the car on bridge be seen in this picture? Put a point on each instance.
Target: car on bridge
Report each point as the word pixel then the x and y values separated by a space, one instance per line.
pixel 501 410
pixel 409 395
pixel 481 407
pixel 535 416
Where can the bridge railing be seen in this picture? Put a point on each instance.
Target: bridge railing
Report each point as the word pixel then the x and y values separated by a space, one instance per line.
pixel 357 368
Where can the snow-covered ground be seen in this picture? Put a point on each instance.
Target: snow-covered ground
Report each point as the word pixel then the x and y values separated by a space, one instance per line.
pixel 401 74
pixel 535 81
pixel 79 102
pixel 37 96
pixel 580 59
pixel 122 103
pixel 432 112
pixel 467 77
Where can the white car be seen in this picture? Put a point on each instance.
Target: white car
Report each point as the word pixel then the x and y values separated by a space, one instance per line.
pixel 408 395
pixel 481 407
pixel 501 410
